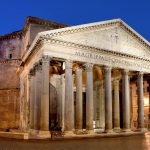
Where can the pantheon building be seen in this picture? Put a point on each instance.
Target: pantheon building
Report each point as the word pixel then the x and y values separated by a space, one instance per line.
pixel 87 80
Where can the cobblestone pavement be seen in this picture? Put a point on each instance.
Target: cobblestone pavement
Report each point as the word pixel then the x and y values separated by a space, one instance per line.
pixel 140 142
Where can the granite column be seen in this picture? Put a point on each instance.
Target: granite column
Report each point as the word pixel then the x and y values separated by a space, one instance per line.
pixel 126 100
pixel 78 113
pixel 89 97
pixel 108 100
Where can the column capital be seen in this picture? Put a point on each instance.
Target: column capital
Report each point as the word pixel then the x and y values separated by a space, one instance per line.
pixel 79 70
pixel 89 67
pixel 125 71
pixel 107 68
pixel 36 66
pixel 116 82
pixel 32 72
pixel 140 73
pixel 68 64
pixel 39 67
pixel 46 58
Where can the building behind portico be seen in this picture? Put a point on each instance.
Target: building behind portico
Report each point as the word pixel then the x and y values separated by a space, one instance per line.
pixel 80 80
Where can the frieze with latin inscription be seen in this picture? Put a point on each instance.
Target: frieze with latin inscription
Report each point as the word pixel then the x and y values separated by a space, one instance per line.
pixel 114 61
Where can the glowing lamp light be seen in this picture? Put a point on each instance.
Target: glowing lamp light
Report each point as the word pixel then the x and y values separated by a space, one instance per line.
pixel 63 66
pixel 146 101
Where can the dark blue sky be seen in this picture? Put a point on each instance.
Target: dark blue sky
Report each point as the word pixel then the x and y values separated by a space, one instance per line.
pixel 134 12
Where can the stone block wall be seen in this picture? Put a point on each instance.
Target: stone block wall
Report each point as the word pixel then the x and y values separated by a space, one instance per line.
pixel 10 46
pixel 9 109
pixel 9 83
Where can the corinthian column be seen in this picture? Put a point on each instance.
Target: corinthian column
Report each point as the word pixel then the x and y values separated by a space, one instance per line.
pixel 89 96
pixel 140 101
pixel 108 100
pixel 45 94
pixel 79 114
pixel 69 101
pixel 126 100
pixel 116 105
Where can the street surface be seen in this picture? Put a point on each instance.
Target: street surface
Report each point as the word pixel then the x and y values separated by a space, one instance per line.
pixel 140 142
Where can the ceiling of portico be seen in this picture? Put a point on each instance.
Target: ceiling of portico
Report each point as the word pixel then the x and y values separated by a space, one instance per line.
pixel 115 36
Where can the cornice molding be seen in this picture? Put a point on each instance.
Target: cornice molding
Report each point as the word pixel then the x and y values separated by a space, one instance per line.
pixel 104 51
pixel 40 21
pixel 13 35
pixel 76 29
pixel 95 26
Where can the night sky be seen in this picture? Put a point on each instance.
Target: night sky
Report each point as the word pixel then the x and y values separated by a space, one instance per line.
pixel 136 13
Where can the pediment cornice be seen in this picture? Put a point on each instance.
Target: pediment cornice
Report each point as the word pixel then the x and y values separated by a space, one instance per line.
pixel 90 48
pixel 95 26
pixel 56 42
pixel 51 36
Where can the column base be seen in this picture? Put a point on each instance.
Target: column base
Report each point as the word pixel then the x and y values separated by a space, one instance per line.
pixel 126 130
pixel 79 131
pixel 33 131
pixel 99 130
pixel 117 129
pixel 69 134
pixel 90 131
pixel 108 131
pixel 142 130
pixel 44 134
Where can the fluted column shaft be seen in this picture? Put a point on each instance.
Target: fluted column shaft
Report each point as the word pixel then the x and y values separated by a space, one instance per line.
pixel 89 96
pixel 69 101
pixel 108 100
pixel 116 106
pixel 78 119
pixel 140 100
pixel 126 100
pixel 45 93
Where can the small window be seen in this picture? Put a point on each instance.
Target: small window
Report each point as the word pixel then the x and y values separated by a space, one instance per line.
pixel 10 56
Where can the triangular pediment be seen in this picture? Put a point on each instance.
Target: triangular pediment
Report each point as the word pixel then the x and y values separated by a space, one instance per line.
pixel 113 35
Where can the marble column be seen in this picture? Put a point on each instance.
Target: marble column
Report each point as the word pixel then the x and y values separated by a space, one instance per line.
pixel 69 100
pixel 116 105
pixel 45 94
pixel 126 101
pixel 89 97
pixel 140 101
pixel 78 111
pixel 108 100
pixel 31 93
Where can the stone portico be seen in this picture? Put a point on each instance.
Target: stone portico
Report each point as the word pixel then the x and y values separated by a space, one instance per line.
pixel 78 80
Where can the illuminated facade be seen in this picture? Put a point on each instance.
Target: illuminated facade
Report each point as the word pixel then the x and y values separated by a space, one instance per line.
pixel 82 80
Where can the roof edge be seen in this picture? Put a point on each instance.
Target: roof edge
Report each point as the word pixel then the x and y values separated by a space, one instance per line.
pixel 40 21
pixel 13 35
